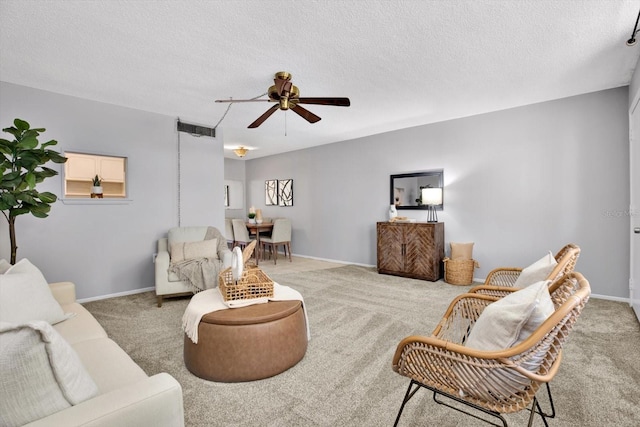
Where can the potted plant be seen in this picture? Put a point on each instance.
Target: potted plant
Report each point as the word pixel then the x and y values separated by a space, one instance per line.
pixel 97 185
pixel 252 217
pixel 21 168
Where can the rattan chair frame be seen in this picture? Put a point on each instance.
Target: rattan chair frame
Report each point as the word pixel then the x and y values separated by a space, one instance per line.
pixel 566 259
pixel 495 382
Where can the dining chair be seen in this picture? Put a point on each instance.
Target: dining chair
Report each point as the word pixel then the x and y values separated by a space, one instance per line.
pixel 228 232
pixel 280 235
pixel 240 233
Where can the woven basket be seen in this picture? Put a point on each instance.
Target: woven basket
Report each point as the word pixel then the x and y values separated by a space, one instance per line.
pixel 254 283
pixel 459 271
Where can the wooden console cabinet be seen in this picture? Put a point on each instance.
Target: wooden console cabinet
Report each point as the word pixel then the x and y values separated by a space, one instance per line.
pixel 411 249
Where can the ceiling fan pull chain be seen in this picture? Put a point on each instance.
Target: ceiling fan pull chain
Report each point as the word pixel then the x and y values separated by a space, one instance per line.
pixel 285 123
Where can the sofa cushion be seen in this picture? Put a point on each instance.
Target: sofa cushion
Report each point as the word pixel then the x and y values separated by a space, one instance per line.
pixel 536 272
pixel 512 319
pixel 25 295
pixel 181 251
pixel 83 326
pixel 109 366
pixel 40 373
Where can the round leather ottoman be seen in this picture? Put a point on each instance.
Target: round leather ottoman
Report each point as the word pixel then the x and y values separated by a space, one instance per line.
pixel 248 343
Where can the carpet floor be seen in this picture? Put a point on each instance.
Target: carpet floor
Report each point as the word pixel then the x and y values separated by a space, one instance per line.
pixel 357 317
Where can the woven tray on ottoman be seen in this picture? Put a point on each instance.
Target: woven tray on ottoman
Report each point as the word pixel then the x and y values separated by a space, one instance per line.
pixel 459 271
pixel 254 283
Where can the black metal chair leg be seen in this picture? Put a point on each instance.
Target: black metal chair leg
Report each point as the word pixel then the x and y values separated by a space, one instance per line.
pixel 407 396
pixel 553 408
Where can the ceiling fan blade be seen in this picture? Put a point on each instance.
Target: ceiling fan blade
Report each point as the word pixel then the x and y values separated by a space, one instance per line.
pixel 305 114
pixel 263 117
pixel 338 102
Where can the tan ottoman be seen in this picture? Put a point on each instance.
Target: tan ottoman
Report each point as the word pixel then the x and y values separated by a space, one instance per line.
pixel 248 343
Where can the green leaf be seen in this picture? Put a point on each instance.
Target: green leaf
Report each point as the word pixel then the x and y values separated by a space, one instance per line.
pixel 11 176
pixel 18 211
pixel 8 198
pixel 13 131
pixel 28 143
pixel 49 143
pixel 56 157
pixel 39 214
pixel 21 124
pixel 47 197
pixel 26 198
pixel 31 180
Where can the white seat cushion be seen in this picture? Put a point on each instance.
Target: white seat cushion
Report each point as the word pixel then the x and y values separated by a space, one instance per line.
pixel 109 366
pixel 83 326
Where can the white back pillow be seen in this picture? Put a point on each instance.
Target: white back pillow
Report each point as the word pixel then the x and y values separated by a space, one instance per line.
pixel 536 272
pixel 25 295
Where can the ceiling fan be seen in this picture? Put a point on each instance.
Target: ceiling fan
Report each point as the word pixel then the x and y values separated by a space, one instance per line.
pixel 287 95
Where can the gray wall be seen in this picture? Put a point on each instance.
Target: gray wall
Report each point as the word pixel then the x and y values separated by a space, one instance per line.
pixel 518 183
pixel 108 248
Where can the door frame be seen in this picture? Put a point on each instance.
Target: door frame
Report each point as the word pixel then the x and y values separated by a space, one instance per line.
pixel 634 206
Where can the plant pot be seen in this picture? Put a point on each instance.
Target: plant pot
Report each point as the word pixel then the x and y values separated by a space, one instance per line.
pixel 252 220
pixel 96 190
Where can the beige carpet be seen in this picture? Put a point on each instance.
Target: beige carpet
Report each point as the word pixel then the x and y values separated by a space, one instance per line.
pixel 357 317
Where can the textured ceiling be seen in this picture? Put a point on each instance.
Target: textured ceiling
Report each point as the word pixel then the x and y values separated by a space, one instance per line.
pixel 402 63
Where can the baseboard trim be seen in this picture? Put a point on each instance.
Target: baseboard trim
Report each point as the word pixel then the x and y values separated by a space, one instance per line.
pixel 609 298
pixel 117 294
pixel 333 260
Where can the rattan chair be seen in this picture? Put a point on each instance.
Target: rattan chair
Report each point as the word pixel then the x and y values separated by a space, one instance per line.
pixel 507 276
pixel 493 382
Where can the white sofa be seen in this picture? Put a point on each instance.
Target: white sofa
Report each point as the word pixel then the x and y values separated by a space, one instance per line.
pixel 127 396
pixel 168 283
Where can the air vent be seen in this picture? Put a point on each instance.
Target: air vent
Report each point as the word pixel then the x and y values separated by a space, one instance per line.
pixel 196 130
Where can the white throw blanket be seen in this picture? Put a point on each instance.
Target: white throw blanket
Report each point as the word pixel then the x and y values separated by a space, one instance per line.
pixel 211 300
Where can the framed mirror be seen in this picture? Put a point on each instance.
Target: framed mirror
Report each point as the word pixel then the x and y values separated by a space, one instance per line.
pixel 406 188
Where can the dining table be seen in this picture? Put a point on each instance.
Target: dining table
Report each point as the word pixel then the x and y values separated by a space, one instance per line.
pixel 257 228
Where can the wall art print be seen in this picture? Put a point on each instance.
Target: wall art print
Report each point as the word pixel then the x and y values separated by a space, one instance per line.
pixel 271 192
pixel 285 192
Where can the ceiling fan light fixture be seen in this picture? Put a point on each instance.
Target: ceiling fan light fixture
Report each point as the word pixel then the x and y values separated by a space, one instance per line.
pixel 241 151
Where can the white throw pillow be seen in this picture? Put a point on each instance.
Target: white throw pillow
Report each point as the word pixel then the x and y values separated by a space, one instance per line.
pixel 536 272
pixel 25 295
pixel 40 373
pixel 182 251
pixel 4 266
pixel 512 319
